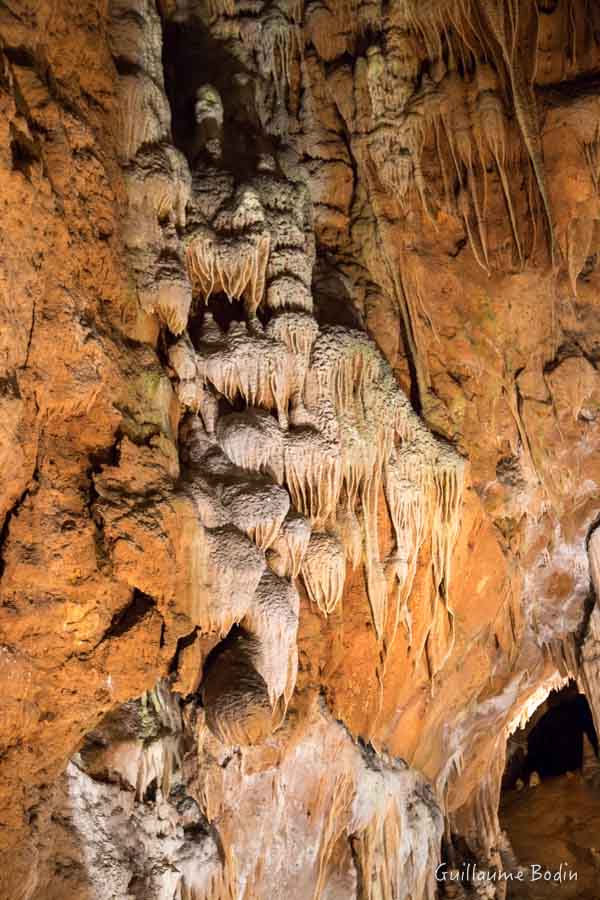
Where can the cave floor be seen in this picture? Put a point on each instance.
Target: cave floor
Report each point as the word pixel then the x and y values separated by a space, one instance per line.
pixel 556 822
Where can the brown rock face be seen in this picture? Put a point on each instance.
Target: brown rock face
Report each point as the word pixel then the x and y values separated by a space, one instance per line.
pixel 299 435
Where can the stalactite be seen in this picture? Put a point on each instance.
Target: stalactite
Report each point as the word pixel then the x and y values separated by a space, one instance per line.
pixel 159 760
pixel 273 619
pixel 374 570
pixel 156 174
pixel 448 480
pixel 344 364
pixel 251 366
pixel 464 209
pixel 312 474
pixel 409 513
pixel 253 441
pixel 297 331
pixel 287 553
pixel 236 267
pixel 160 756
pixel 219 8
pixel 288 292
pixel 235 695
pixel 144 112
pixel 339 805
pixel 349 532
pixel 229 569
pixel 396 839
pixel 275 50
pixel 523 98
pixel 324 571
pixel 491 125
pixel 257 509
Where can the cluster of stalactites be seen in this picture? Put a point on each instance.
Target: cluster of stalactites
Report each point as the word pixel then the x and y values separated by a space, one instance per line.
pixel 157 176
pixel 246 521
pixel 471 131
pixel 355 436
pixel 382 815
pixel 476 60
pixel 233 267
pixel 253 242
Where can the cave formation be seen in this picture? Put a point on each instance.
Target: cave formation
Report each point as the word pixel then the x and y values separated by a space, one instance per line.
pixel 299 393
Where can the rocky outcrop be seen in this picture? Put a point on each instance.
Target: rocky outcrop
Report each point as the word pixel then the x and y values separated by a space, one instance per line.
pixel 300 392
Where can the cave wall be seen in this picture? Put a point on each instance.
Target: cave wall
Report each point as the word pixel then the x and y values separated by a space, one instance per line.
pixel 354 581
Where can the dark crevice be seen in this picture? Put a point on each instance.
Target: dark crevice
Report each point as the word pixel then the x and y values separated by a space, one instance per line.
pixel 21 56
pixel 12 513
pixel 182 643
pixel 458 247
pixel 109 456
pixel 124 621
pixel 24 153
pixel 361 887
pixel 561 94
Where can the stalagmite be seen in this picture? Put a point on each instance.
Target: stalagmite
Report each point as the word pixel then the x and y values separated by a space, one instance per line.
pixel 324 571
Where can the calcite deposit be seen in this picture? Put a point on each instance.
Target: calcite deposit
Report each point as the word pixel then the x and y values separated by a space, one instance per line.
pixel 299 432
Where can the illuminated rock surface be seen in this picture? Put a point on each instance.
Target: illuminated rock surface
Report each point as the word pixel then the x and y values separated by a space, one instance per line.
pixel 299 432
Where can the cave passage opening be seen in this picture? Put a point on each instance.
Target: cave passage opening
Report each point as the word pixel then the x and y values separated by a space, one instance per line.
pixel 550 800
pixel 553 741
